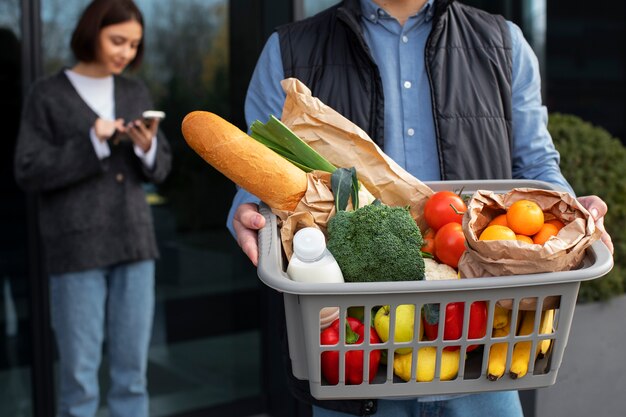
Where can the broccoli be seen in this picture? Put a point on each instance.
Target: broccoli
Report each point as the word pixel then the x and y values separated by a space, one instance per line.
pixel 376 243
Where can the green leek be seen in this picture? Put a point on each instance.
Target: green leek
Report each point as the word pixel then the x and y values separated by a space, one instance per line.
pixel 278 137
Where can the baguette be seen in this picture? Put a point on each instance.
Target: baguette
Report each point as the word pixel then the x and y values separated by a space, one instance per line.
pixel 249 164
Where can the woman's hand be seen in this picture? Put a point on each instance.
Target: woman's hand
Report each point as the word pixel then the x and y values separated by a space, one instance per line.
pixel 247 221
pixel 104 129
pixel 597 208
pixel 141 135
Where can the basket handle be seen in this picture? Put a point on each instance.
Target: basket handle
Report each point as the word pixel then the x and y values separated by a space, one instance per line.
pixel 270 259
pixel 603 262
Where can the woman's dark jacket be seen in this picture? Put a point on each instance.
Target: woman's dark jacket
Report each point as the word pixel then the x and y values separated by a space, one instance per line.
pixel 92 213
pixel 468 61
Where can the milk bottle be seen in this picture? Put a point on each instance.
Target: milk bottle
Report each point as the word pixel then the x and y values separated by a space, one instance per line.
pixel 312 262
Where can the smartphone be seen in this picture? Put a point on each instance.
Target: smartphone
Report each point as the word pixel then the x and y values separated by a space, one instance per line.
pixel 149 115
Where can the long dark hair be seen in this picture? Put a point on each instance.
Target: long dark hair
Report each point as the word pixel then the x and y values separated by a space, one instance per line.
pixel 98 14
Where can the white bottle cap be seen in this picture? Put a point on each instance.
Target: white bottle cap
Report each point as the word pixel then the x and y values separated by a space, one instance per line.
pixel 309 244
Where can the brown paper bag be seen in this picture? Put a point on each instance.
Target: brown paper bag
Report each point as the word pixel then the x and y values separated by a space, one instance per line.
pixel 314 210
pixel 562 252
pixel 346 145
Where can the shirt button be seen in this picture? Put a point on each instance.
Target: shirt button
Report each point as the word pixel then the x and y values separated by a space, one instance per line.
pixel 407 84
pixel 405 39
pixel 119 177
pixel 372 16
pixel 410 132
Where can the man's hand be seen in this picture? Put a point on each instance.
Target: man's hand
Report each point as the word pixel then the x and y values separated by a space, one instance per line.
pixel 246 222
pixel 597 208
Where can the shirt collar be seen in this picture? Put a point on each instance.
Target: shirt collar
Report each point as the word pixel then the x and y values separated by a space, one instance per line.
pixel 372 11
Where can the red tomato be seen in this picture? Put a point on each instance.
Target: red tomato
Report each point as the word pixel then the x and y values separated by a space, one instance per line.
pixel 438 209
pixel 429 242
pixel 450 244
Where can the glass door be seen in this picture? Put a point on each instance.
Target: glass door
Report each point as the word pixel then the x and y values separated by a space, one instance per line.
pixel 205 354
pixel 15 307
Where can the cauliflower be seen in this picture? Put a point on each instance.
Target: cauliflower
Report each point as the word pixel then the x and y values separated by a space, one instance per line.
pixel 434 271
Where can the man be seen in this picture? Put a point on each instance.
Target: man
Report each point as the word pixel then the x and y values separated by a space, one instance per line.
pixel 448 91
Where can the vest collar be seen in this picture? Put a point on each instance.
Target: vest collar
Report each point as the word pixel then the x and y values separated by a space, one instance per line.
pixel 371 11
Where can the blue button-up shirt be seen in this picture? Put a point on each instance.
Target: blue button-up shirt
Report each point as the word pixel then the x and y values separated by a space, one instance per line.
pixel 409 125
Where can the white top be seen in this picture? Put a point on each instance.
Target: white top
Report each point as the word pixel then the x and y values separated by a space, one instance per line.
pixel 99 94
pixel 96 92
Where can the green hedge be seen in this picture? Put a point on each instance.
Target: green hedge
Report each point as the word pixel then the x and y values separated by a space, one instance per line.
pixel 594 162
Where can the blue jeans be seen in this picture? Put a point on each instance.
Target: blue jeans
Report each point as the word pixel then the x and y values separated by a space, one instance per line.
pixel 116 303
pixel 489 404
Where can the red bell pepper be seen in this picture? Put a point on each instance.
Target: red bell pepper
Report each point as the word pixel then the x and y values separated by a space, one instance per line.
pixel 354 358
pixel 453 327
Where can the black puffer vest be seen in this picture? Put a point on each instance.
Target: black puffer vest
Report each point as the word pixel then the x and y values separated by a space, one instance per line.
pixel 468 56
pixel 468 60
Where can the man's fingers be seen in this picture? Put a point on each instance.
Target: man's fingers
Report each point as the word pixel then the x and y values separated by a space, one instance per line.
pixel 246 222
pixel 598 209
pixel 247 240
pixel 249 216
pixel 595 205
pixel 606 238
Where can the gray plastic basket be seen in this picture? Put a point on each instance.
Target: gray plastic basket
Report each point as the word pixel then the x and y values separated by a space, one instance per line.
pixel 303 302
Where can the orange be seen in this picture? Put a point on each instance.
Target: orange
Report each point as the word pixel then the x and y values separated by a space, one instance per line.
pixel 547 230
pixel 559 224
pixel 497 232
pixel 525 217
pixel 500 219
pixel 524 238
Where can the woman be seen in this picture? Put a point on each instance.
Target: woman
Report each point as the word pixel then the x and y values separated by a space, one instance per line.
pixel 84 150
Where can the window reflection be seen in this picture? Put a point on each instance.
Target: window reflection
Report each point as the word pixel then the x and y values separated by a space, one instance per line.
pixel 10 16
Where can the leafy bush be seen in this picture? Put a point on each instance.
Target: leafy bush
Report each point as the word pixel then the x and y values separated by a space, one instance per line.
pixel 594 162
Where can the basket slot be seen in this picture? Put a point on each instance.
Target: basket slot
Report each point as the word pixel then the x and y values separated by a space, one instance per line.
pixel 526 342
pixel 417 324
pixel 473 364
pixel 389 371
pixel 463 348
pixel 545 335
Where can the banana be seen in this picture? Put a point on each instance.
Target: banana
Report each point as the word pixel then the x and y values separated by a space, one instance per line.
pixel 501 317
pixel 497 355
pixel 426 359
pixel 521 350
pixel 546 327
